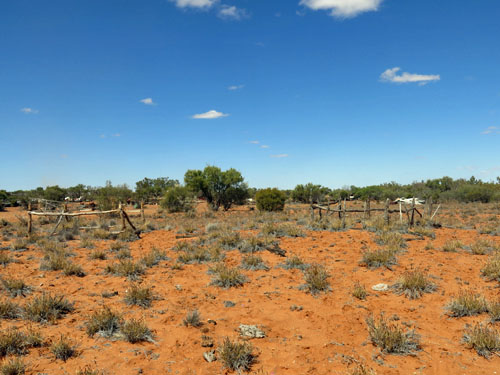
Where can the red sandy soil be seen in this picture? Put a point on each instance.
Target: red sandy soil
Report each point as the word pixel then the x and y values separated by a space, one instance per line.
pixel 311 341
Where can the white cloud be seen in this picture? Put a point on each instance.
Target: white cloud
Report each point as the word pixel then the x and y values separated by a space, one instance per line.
pixel 194 3
pixel 29 110
pixel 343 8
pixel 116 135
pixel 231 12
pixel 264 146
pixel 210 115
pixel 279 156
pixel 235 87
pixel 254 142
pixel 147 101
pixel 390 75
pixel 491 130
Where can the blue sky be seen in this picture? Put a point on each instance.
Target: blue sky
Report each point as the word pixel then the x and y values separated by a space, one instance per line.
pixel 335 92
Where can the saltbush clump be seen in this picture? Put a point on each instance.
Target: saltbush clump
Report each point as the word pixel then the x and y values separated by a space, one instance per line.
pixel 391 338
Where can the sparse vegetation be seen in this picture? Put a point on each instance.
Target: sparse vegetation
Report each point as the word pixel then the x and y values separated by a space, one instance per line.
pixel 13 366
pixel 47 308
pixel 413 284
pixel 294 262
pixel 483 339
pixel 139 295
pixel 379 258
pixel 226 277
pixel 253 263
pixel 452 246
pixel 467 303
pixel 104 322
pixel 316 279
pixel 359 291
pixel 236 356
pixel 63 349
pixel 193 319
pixel 391 338
pixel 9 310
pixel 135 330
pixel 491 270
pixel 126 268
pixel 16 287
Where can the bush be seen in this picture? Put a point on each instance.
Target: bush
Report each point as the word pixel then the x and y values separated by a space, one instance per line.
pixel 13 366
pixel 227 277
pixel 177 199
pixel 16 287
pixel 136 331
pixel 483 339
pixel 270 200
pixel 391 338
pixel 379 258
pixel 491 269
pixel 359 291
pixel 236 356
pixel 139 296
pixel 316 279
pixel 63 349
pixel 467 303
pixel 193 319
pixel 104 322
pixel 47 308
pixel 253 263
pixel 413 284
pixel 9 310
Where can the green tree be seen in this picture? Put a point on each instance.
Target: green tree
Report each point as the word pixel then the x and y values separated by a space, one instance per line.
pixel 54 193
pixel 148 188
pixel 270 200
pixel 309 193
pixel 219 188
pixel 109 196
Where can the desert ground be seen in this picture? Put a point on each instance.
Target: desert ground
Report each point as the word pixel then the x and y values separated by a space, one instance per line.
pixel 307 328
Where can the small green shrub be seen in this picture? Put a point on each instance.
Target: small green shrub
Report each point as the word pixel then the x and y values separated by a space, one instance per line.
pixel 9 310
pixel 104 322
pixel 13 366
pixel 47 308
pixel 193 319
pixel 467 303
pixel 316 279
pixel 491 270
pixel 16 287
pixel 452 246
pixel 413 284
pixel 391 338
pixel 63 349
pixel 236 356
pixel 359 291
pixel 379 258
pixel 226 277
pixel 483 339
pixel 294 262
pixel 253 263
pixel 136 331
pixel 139 296
pixel 270 200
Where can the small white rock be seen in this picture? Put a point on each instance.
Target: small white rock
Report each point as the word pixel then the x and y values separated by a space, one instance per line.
pixel 380 287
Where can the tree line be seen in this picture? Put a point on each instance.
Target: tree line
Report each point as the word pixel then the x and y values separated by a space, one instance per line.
pixel 223 189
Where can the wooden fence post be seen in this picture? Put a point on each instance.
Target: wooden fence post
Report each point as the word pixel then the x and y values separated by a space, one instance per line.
pixel 386 211
pixel 122 216
pixel 343 215
pixel 143 217
pixel 368 208
pixel 412 221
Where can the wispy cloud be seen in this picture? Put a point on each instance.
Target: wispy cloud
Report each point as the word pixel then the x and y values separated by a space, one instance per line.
pixel 391 75
pixel 343 8
pixel 116 135
pixel 235 87
pixel 28 110
pixel 254 142
pixel 231 12
pixel 213 114
pixel 147 101
pixel 491 130
pixel 279 156
pixel 265 146
pixel 194 3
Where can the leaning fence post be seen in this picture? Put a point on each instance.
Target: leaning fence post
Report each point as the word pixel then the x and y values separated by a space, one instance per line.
pixel 121 215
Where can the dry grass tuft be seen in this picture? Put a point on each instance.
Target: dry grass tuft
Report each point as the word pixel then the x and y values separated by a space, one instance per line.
pixel 47 308
pixel 104 322
pixel 316 279
pixel 413 284
pixel 483 339
pixel 236 356
pixel 139 296
pixel 379 258
pixel 226 277
pixel 359 291
pixel 467 303
pixel 391 338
